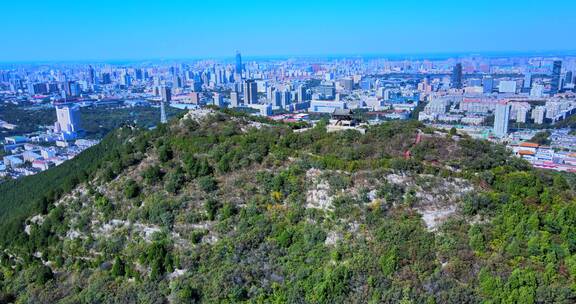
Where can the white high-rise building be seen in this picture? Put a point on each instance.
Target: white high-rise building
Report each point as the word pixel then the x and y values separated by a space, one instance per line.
pixel 270 93
pixel 218 100
pixel 234 99
pixel 261 86
pixel 522 114
pixel 501 116
pixel 538 114
pixel 68 119
pixel 519 111
pixel 250 92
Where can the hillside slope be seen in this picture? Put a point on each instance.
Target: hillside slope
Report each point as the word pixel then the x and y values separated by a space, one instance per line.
pixel 217 207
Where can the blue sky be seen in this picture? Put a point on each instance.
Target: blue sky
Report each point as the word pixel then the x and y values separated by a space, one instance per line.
pixel 129 29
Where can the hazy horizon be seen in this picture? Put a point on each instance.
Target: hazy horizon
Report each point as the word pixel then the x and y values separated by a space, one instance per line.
pixel 249 57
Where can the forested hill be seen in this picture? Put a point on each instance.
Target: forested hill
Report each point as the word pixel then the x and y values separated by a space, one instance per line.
pixel 219 207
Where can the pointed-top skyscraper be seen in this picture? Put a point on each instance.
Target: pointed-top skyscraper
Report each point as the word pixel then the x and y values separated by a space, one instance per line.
pixel 91 75
pixel 238 63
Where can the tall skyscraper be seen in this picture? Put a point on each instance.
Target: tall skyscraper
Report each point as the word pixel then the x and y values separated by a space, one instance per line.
pixel 302 93
pixel 68 119
pixel 527 80
pixel 177 82
pixel 568 77
pixel 106 78
pixel 555 83
pixel 250 92
pixel 457 76
pixel 139 74
pixel 277 98
pixel 269 92
pixel 196 85
pixel 238 69
pixel 286 98
pixel 501 116
pixel 91 75
pixel 127 79
pixel 234 100
pixel 166 94
pixel 218 100
pixel 73 88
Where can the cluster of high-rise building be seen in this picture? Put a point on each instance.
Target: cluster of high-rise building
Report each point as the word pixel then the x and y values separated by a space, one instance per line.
pixel 516 92
pixel 490 97
pixel 521 98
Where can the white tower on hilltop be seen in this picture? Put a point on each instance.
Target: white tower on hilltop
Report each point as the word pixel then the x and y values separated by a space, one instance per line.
pixel 163 113
pixel 166 97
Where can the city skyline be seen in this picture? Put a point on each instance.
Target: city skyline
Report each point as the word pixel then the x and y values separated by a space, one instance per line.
pixel 104 31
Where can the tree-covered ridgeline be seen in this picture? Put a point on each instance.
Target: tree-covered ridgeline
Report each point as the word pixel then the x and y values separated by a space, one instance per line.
pixel 229 209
